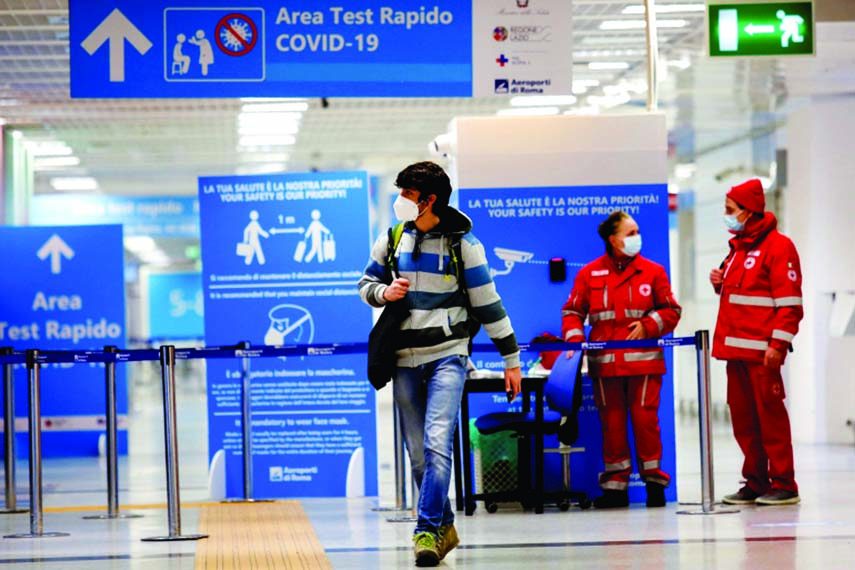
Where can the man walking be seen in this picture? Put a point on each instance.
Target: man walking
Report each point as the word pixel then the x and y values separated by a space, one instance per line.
pixel 434 338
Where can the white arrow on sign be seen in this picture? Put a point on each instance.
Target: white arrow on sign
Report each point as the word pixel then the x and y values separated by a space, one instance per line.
pixel 116 28
pixel 56 249
pixel 761 29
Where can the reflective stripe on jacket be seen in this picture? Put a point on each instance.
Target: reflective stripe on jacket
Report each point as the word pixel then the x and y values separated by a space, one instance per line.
pixel 611 301
pixel 761 296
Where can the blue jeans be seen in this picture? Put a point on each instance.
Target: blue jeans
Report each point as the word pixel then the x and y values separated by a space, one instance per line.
pixel 428 398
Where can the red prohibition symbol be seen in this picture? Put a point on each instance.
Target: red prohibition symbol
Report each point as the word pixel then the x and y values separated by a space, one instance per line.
pixel 236 34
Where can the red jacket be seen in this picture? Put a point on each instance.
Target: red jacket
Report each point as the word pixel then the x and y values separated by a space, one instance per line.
pixel 761 296
pixel 611 301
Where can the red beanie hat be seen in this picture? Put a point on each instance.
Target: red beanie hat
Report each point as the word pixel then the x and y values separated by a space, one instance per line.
pixel 749 195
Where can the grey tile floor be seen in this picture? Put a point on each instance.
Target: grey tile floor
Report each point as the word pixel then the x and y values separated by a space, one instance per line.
pixel 819 533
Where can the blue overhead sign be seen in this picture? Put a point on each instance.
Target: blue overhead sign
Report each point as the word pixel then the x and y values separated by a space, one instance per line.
pixel 166 216
pixel 63 289
pixel 341 48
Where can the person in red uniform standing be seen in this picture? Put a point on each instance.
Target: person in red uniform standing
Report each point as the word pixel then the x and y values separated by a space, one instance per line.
pixel 760 285
pixel 624 297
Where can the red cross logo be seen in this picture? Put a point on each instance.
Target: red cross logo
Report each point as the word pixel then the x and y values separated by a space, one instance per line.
pixel 502 60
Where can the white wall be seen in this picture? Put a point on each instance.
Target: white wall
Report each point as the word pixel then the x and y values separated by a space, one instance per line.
pixel 820 206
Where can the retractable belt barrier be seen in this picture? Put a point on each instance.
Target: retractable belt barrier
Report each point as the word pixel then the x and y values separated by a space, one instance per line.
pixel 167 355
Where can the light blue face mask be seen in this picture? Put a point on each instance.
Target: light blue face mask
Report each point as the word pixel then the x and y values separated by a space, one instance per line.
pixel 631 245
pixel 732 223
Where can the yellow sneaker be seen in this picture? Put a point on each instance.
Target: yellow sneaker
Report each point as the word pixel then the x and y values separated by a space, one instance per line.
pixel 425 549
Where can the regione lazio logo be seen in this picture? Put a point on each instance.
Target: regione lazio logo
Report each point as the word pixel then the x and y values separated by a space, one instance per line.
pixel 750 262
pixel 500 33
pixel 645 290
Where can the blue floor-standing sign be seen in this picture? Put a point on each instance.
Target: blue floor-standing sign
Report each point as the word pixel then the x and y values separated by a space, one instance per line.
pixel 282 255
pixel 522 229
pixel 63 289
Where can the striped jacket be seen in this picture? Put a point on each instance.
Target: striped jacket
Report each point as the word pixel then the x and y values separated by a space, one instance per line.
pixel 761 297
pixel 437 325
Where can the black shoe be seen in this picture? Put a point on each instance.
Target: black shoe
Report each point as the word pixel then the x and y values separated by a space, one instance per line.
pixel 745 496
pixel 612 499
pixel 778 497
pixel 655 494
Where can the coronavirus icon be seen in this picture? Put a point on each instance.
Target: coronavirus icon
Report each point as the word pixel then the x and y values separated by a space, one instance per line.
pixel 236 34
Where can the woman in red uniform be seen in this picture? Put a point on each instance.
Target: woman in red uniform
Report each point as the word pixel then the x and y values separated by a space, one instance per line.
pixel 624 297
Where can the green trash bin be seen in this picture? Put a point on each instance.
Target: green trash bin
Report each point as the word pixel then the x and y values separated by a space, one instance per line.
pixel 495 461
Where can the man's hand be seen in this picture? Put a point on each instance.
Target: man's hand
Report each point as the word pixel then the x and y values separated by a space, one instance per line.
pixel 397 289
pixel 513 381
pixel 716 277
pixel 570 354
pixel 773 358
pixel 636 331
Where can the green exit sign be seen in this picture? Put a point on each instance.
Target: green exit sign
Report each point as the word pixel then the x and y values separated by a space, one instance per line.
pixel 761 28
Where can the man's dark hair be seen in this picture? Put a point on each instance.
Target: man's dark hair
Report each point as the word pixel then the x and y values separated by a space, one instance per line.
pixel 609 227
pixel 427 178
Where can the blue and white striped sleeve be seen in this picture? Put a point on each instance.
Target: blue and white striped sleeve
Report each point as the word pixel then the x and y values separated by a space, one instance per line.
pixel 487 307
pixel 372 283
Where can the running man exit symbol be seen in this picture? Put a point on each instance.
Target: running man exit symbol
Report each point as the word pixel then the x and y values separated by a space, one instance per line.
pixel 56 249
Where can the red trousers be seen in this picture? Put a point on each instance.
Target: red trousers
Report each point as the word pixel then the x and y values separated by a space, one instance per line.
pixel 639 397
pixel 761 425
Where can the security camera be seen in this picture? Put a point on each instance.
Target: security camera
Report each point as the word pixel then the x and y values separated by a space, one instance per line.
pixel 510 256
pixel 442 145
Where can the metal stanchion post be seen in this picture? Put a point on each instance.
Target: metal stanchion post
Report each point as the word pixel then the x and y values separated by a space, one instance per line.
pixel 35 425
pixel 400 465
pixel 708 507
pixel 173 499
pixel 401 476
pixel 9 436
pixel 246 432
pixel 112 446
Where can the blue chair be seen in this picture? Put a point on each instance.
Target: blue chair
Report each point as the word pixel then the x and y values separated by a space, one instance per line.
pixel 563 394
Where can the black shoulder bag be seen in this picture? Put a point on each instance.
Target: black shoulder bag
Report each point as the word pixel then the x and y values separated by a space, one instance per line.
pixel 383 341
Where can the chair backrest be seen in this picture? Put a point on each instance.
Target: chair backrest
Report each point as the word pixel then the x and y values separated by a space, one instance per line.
pixel 559 389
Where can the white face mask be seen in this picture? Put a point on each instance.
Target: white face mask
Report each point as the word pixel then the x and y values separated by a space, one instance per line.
pixel 732 223
pixel 631 245
pixel 406 210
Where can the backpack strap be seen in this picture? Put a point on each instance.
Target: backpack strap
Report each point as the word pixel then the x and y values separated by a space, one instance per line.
pixel 393 238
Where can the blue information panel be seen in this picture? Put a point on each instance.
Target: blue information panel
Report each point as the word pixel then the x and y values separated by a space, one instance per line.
pixel 63 289
pixel 157 217
pixel 309 48
pixel 175 306
pixel 522 229
pixel 282 255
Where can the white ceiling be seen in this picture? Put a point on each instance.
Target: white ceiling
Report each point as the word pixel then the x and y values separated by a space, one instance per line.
pixel 160 146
